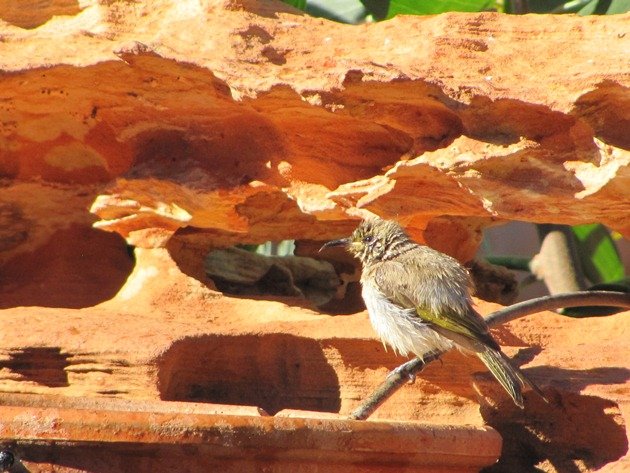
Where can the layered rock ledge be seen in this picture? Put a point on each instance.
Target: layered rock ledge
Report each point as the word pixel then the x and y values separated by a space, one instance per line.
pixel 179 127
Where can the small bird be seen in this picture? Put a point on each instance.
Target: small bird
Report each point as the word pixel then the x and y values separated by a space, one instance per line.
pixel 419 302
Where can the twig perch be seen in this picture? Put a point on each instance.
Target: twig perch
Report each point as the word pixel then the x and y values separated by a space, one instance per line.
pixel 401 375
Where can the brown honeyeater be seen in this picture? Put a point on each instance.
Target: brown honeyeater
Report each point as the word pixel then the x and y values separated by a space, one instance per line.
pixel 418 300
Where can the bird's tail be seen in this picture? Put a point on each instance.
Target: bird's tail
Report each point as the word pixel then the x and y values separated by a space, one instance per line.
pixel 510 377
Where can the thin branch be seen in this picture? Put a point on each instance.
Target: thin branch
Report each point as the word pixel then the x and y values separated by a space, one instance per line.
pixel 394 381
pixel 559 301
pixel 407 371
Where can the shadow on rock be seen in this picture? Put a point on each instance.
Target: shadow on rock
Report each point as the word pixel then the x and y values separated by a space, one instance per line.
pixel 572 433
pixel 274 371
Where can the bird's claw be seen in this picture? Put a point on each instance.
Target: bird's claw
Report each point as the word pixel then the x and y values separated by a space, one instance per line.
pixel 404 372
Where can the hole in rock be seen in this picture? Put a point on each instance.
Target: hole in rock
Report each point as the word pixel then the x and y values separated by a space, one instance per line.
pixel 289 271
pixel 31 14
pixel 272 269
pixel 274 371
pixel 601 110
pixel 212 154
pixel 77 267
pixel 41 365
pixel 505 121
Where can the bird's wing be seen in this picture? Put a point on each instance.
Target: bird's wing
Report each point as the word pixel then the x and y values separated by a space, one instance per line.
pixel 456 320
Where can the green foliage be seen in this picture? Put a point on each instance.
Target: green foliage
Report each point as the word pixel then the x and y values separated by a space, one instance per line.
pixel 431 7
pixel 601 264
pixel 605 7
pixel 598 254
pixel 581 7
pixel 360 11
pixel 343 11
pixel 301 4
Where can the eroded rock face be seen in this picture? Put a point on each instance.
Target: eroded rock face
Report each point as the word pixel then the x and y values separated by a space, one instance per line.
pixel 271 118
pixel 180 134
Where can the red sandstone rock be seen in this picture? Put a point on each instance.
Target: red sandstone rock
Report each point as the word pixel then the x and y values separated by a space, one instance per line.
pixel 446 122
pixel 167 337
pixel 268 125
pixel 88 439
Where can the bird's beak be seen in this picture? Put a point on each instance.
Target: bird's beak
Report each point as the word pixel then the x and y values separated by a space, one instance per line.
pixel 331 244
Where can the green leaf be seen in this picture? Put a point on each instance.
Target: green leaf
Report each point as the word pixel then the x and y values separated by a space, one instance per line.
pixel 572 6
pixel 618 6
pixel 431 7
pixel 301 4
pixel 605 7
pixel 589 8
pixel 598 254
pixel 357 11
pixel 343 11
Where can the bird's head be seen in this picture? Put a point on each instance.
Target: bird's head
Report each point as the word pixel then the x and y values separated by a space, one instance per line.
pixel 372 240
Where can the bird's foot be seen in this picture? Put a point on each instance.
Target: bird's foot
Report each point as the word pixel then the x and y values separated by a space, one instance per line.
pixel 407 370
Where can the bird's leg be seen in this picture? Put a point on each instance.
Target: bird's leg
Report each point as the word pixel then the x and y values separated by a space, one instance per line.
pixel 408 370
pixel 394 381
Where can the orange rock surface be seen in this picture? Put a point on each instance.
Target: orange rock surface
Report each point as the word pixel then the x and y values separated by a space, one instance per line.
pixel 182 126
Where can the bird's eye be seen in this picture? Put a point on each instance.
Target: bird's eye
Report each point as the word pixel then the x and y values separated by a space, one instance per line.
pixel 367 239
